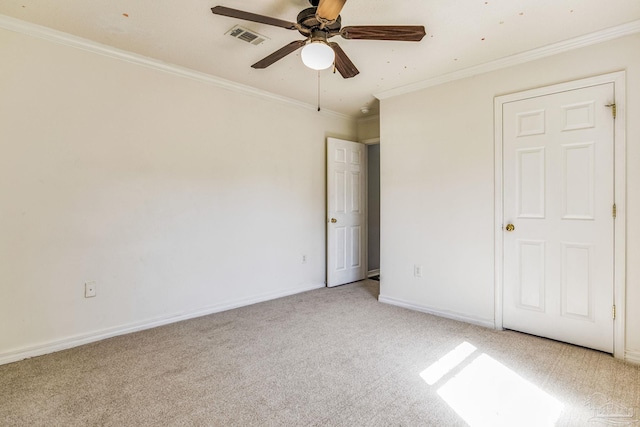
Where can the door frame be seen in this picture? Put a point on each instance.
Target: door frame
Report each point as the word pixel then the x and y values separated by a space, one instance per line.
pixel 367 143
pixel 619 146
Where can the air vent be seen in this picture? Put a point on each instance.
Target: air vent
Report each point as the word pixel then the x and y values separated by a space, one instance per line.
pixel 248 36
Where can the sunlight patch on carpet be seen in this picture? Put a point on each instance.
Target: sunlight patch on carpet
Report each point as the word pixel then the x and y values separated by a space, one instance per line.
pixel 446 363
pixel 487 393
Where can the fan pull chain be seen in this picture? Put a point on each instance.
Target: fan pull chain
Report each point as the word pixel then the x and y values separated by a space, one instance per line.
pixel 318 90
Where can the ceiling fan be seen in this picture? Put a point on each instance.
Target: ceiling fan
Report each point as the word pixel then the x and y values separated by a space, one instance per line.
pixel 318 24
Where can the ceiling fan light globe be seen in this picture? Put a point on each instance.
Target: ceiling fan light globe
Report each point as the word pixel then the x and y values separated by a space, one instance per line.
pixel 317 56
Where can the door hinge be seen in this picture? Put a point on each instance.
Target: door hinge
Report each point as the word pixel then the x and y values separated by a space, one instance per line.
pixel 614 110
pixel 614 312
pixel 614 211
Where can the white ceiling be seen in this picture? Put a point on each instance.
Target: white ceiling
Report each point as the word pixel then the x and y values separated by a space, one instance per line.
pixel 460 34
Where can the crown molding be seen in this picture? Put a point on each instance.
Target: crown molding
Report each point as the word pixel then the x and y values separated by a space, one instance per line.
pixel 517 59
pixel 55 36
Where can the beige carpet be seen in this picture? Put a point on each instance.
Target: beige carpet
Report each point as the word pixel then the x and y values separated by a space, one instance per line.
pixel 326 357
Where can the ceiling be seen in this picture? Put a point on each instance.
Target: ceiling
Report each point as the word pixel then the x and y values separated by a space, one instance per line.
pixel 460 34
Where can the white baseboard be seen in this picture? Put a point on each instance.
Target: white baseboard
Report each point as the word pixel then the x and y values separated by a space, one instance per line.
pixel 78 340
pixel 632 356
pixel 372 273
pixel 487 323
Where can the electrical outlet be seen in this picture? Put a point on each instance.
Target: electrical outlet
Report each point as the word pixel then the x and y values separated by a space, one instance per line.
pixel 90 289
pixel 417 270
pixel 304 259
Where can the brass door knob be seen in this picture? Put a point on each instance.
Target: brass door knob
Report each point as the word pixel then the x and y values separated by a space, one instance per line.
pixel 510 227
pixel 333 220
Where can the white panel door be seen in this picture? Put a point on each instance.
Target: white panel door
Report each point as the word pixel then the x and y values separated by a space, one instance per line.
pixel 346 211
pixel 558 220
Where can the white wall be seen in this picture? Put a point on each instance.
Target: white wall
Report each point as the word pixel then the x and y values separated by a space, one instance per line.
pixel 437 184
pixel 369 128
pixel 175 196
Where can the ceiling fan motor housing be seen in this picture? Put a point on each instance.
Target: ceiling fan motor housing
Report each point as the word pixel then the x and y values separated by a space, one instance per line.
pixel 318 36
pixel 309 22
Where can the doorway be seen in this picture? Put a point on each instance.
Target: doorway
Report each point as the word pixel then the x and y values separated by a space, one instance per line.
pixel 353 236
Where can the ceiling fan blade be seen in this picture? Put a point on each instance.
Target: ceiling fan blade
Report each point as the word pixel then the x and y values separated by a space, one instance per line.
pixel 329 10
pixel 248 16
pixel 406 33
pixel 279 54
pixel 343 63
